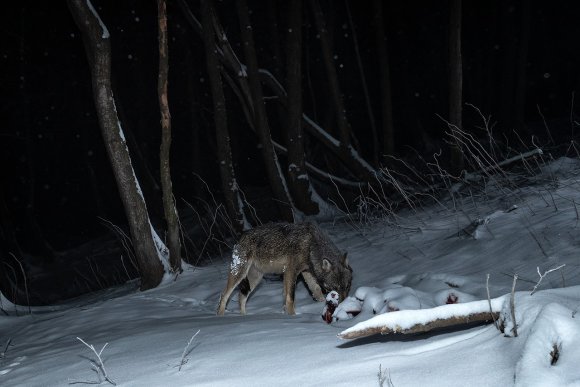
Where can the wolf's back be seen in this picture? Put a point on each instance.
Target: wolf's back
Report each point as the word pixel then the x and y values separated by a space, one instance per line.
pixel 275 239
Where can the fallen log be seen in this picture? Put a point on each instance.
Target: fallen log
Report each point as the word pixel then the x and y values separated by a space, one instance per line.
pixel 425 320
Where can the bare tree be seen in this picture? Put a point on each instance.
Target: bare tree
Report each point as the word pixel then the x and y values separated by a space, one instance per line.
pixel 231 70
pixel 148 248
pixel 363 81
pixel 522 61
pixel 385 80
pixel 273 170
pixel 344 131
pixel 173 242
pixel 335 94
pixel 455 81
pixel 224 151
pixel 299 183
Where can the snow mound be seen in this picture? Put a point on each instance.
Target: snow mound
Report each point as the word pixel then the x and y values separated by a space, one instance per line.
pixel 435 290
pixel 552 349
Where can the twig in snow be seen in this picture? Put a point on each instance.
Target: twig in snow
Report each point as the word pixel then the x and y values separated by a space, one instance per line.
pixel 513 307
pixel 123 238
pixel 543 275
pixel 100 365
pixel 489 301
pixel 537 241
pixel 183 361
pixel 384 376
pixel 3 353
pixel 555 353
pixel 25 282
pixel 563 279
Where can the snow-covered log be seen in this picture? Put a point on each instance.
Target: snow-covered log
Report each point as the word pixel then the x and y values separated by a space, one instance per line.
pixel 425 320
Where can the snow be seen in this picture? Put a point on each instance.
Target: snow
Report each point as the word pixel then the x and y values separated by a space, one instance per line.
pixel 237 261
pixel 403 273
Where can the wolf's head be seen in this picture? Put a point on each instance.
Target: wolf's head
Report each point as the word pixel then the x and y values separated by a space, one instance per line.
pixel 336 275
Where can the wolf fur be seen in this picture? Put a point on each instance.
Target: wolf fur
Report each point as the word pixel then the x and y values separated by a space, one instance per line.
pixel 288 249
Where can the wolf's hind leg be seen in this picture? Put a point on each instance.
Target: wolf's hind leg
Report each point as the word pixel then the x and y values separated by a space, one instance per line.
pixel 248 285
pixel 313 286
pixel 234 279
pixel 290 277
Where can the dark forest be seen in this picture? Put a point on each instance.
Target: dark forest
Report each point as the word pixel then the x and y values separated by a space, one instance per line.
pixel 333 97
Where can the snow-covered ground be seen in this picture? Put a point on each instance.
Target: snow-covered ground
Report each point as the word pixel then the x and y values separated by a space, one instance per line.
pixel 420 260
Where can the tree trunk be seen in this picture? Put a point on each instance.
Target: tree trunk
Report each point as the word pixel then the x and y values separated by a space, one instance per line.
pixel 274 38
pixel 363 80
pixel 299 182
pixel 523 46
pixel 98 49
pixel 385 80
pixel 508 65
pixel 224 152
pixel 455 82
pixel 332 77
pixel 352 160
pixel 173 242
pixel 141 160
pixel 273 170
pixel 344 132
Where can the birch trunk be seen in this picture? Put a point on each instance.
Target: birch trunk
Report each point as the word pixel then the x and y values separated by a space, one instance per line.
pixel 98 50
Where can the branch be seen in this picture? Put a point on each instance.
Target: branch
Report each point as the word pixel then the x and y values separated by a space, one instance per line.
pixel 425 320
pixel 100 364
pixel 183 360
pixel 417 328
pixel 543 275
pixel 3 353
pixel 513 306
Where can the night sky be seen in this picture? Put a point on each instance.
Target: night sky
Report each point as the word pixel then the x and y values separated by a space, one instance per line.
pixel 56 180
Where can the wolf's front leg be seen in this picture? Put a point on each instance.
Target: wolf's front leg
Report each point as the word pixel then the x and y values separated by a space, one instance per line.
pixel 290 277
pixel 313 286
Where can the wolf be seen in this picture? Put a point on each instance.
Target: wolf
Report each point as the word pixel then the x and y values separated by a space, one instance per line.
pixel 288 249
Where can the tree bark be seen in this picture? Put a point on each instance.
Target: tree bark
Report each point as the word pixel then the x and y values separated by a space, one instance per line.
pixel 385 80
pixel 273 170
pixel 98 50
pixel 455 82
pixel 171 217
pixel 224 151
pixel 523 47
pixel 299 183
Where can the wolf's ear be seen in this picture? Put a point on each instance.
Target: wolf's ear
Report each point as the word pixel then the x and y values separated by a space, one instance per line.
pixel 345 259
pixel 326 265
